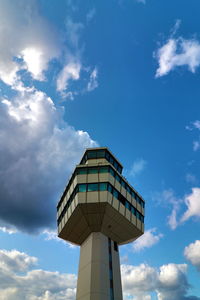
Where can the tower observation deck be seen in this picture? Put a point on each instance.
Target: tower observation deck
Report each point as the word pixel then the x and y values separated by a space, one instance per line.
pixel 99 210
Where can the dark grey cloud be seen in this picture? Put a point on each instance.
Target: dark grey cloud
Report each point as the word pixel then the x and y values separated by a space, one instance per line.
pixel 37 153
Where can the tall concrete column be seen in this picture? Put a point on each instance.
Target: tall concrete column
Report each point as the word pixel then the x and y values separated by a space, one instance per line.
pixel 99 269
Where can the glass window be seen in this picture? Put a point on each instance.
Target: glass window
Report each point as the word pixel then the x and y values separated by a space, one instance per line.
pixel 117 178
pixel 119 169
pixel 133 194
pixel 115 165
pixel 103 186
pixel 112 172
pixel 92 187
pixel 123 184
pixel 115 246
pixel 92 154
pixel 110 189
pixel 111 160
pixel 127 205
pixel 133 210
pixel 107 156
pixel 101 154
pixel 82 187
pixel 103 170
pixel 115 193
pixel 128 189
pixel 93 171
pixel 82 171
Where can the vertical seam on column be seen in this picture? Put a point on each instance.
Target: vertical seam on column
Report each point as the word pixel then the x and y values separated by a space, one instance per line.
pixel 110 269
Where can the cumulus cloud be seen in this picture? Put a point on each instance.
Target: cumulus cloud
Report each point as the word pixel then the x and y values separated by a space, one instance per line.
pixel 30 51
pixel 192 202
pixel 19 281
pixel 137 167
pixel 169 282
pixel 147 240
pixel 192 253
pixel 38 150
pixel 178 52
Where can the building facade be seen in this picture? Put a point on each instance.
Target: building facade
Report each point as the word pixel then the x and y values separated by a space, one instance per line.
pixel 99 210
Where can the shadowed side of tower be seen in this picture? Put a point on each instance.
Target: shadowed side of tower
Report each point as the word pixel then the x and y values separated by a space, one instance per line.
pixel 99 210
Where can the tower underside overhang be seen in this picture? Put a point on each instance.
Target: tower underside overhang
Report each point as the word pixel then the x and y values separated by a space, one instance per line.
pixel 118 224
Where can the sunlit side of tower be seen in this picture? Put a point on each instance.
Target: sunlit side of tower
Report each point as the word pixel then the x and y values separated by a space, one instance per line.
pixel 99 210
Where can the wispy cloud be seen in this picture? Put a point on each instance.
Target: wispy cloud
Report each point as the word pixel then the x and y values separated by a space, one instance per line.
pixel 93 83
pixel 190 203
pixel 195 126
pixel 147 240
pixel 137 167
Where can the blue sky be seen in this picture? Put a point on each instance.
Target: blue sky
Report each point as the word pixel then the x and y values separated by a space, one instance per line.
pixel 122 74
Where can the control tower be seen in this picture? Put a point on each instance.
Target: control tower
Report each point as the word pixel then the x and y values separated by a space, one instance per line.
pixel 99 210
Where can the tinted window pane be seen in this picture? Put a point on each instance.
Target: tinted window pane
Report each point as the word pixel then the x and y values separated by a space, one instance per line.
pixel 110 188
pixel 92 187
pixel 133 210
pixel 128 189
pixel 101 154
pixel 127 205
pixel 112 172
pixel 115 193
pixel 107 156
pixel 103 170
pixel 111 160
pixel 82 187
pixel 82 171
pixel 133 194
pixel 115 165
pixel 123 184
pixel 103 186
pixel 92 171
pixel 92 154
pixel 117 177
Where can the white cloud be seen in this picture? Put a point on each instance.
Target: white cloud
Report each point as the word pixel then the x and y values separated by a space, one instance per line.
pixel 168 282
pixel 8 230
pixel 192 253
pixel 137 167
pixel 93 83
pixel 192 202
pixel 18 281
pixel 15 261
pixel 167 197
pixel 38 150
pixel 70 72
pixel 29 51
pixel 178 52
pixel 197 124
pixel 147 240
pixel 196 145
